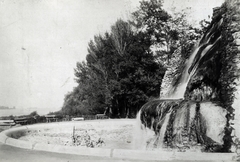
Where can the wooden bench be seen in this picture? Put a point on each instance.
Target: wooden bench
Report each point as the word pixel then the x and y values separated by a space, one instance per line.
pixel 101 116
pixel 78 119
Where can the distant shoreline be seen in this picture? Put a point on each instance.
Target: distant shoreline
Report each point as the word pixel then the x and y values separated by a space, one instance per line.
pixel 1 108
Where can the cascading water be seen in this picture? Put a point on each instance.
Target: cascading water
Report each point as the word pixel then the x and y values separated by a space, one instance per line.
pixel 163 130
pixel 180 122
pixel 207 43
pixel 142 134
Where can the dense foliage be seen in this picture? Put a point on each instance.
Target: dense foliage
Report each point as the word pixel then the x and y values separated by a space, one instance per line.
pixel 119 76
pixel 229 69
pixel 167 32
pixel 124 67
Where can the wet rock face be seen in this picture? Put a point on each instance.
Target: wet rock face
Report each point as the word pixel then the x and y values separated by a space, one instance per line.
pixel 203 84
pixel 201 89
pixel 153 112
pixel 181 123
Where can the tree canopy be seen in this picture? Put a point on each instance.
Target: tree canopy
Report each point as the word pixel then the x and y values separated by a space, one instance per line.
pixel 125 66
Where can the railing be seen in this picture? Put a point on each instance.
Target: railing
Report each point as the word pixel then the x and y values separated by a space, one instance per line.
pixel 51 118
pixel 82 117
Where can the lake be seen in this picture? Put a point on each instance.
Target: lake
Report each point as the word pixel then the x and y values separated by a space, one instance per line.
pixel 25 111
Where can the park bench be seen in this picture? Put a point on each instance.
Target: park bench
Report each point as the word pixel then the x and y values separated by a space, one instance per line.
pixel 101 116
pixel 7 123
pixel 78 119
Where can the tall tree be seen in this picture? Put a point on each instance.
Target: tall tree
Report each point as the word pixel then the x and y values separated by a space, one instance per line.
pixel 120 74
pixel 168 32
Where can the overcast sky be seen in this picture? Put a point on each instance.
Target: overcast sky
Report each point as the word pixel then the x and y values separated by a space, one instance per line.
pixel 41 41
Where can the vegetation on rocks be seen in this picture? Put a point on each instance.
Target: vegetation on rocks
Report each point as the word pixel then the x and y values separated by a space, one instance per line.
pixel 211 77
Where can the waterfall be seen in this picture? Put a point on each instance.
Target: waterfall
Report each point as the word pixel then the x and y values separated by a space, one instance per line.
pixel 207 43
pixel 163 130
pixel 142 135
pixel 197 120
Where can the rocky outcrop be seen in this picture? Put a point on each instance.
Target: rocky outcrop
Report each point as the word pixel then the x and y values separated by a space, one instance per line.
pixel 172 71
pixel 211 93
pixel 181 123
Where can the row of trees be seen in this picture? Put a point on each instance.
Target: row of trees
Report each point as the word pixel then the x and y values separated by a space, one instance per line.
pixel 124 67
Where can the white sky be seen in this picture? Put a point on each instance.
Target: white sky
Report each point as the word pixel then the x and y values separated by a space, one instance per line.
pixel 41 41
pixel 200 9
